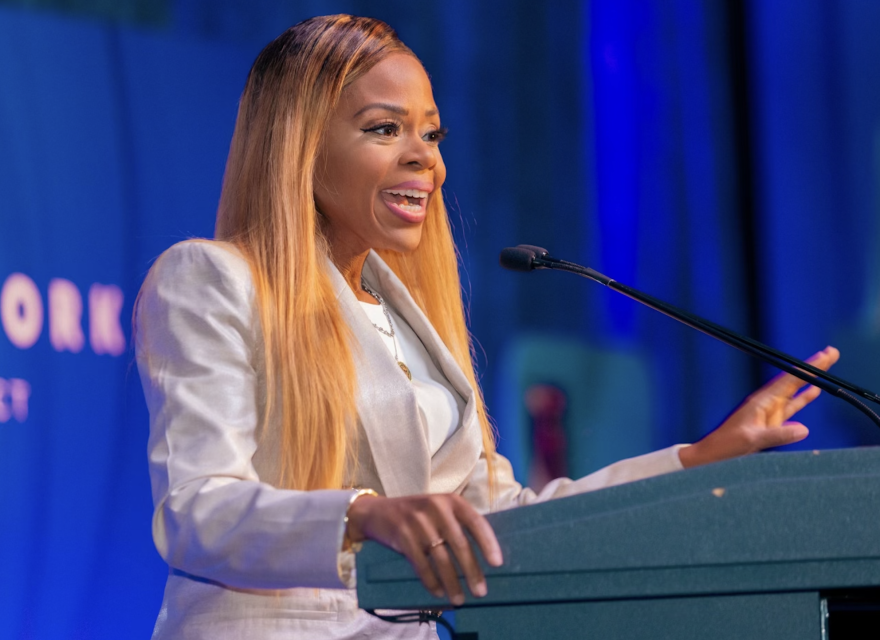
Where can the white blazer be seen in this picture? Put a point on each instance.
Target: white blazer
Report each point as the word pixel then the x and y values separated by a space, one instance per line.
pixel 250 560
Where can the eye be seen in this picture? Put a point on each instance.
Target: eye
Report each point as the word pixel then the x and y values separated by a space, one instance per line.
pixel 384 130
pixel 437 136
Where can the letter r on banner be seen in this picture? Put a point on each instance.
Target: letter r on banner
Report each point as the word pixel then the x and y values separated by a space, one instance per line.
pixel 105 330
pixel 65 316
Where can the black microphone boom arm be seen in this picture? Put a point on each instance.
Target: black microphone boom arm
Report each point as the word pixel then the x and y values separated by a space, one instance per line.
pixel 529 257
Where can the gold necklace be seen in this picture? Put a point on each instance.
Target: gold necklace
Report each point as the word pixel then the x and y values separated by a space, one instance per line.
pixel 384 331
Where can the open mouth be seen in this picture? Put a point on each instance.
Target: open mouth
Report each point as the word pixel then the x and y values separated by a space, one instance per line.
pixel 409 200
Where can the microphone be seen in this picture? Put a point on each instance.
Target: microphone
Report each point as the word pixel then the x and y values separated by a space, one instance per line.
pixel 526 257
pixel 521 258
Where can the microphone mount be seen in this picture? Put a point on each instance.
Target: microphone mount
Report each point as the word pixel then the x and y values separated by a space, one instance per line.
pixel 526 257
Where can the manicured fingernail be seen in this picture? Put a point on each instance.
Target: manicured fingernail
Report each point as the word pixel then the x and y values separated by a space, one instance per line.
pixel 457 599
pixel 438 593
pixel 497 560
pixel 480 589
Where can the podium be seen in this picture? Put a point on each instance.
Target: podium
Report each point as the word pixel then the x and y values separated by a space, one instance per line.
pixel 758 547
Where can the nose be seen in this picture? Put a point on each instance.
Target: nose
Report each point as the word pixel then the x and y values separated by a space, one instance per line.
pixel 420 154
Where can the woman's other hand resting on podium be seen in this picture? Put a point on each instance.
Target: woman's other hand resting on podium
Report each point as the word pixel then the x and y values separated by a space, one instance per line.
pixel 429 530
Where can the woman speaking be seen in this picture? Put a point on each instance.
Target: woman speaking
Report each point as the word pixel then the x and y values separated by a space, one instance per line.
pixel 309 374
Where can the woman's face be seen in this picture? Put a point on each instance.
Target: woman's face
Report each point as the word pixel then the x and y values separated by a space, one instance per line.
pixel 379 163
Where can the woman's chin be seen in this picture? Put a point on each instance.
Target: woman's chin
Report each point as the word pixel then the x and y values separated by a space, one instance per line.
pixel 405 242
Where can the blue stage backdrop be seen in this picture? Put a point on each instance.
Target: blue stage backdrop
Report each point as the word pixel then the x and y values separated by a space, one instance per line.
pixel 112 145
pixel 603 131
pixel 816 106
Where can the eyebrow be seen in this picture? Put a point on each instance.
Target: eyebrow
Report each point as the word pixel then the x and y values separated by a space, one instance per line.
pixel 394 108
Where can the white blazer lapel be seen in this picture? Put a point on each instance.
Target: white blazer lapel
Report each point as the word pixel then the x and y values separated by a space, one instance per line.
pixel 386 404
pixel 453 463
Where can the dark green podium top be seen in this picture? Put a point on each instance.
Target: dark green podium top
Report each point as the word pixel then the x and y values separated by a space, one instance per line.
pixel 769 523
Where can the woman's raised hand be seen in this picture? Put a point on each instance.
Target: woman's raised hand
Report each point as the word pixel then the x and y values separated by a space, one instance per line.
pixel 761 421
pixel 429 530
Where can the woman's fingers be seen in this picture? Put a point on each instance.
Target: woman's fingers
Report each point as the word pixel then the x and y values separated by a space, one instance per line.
pixel 784 434
pixel 457 517
pixel 464 555
pixel 440 533
pixel 442 560
pixel 800 401
pixel 482 532
pixel 786 384
pixel 431 531
pixel 425 569
pixel 460 517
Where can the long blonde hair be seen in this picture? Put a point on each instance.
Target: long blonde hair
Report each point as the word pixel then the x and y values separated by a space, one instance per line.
pixel 267 209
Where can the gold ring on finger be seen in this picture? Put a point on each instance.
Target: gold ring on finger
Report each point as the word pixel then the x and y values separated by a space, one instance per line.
pixel 433 545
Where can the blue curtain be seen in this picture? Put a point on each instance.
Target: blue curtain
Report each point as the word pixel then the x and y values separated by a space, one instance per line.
pixel 666 202
pixel 112 147
pixel 816 107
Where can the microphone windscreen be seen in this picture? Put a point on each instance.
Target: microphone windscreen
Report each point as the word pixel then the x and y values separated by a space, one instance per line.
pixel 517 259
pixel 540 252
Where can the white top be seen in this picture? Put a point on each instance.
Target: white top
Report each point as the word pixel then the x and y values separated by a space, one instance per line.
pixel 440 406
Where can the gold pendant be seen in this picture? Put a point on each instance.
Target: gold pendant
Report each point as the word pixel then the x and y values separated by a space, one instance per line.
pixel 405 369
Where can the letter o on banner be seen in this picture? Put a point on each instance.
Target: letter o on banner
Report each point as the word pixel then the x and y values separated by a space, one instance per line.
pixel 21 310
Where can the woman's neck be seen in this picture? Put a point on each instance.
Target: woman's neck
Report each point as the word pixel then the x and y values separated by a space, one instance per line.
pixel 351 267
